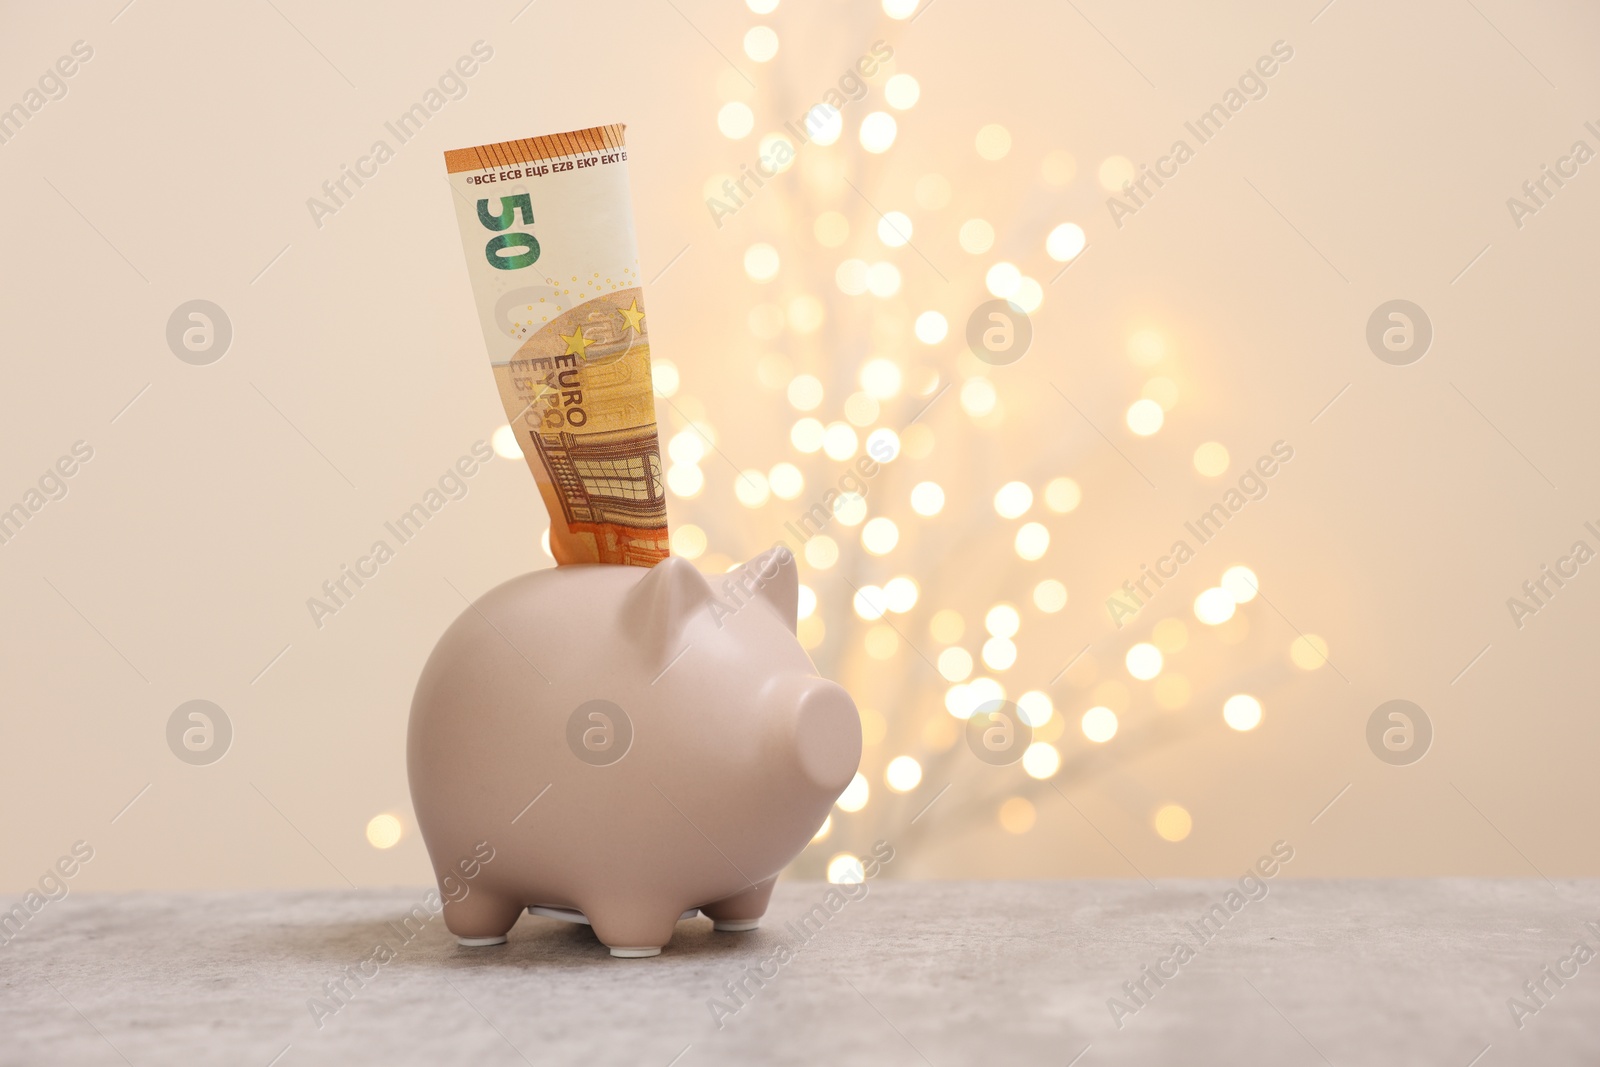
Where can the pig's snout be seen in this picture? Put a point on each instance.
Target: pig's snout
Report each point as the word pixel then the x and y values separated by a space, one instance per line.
pixel 819 724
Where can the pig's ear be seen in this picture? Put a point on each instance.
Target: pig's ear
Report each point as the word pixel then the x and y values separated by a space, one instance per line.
pixel 775 578
pixel 667 597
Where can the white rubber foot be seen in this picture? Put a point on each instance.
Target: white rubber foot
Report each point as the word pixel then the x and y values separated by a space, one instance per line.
pixel 735 926
pixel 635 953
pixel 480 942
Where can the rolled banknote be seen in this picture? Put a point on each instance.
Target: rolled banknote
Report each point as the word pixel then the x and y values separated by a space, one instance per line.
pixel 548 232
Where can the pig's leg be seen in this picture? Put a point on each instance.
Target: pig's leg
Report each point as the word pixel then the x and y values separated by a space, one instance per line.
pixel 633 929
pixel 743 910
pixel 481 918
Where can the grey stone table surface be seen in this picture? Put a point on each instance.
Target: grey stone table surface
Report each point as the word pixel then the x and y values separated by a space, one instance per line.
pixel 931 973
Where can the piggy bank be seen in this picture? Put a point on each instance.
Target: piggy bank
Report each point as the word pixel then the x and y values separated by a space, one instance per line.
pixel 628 745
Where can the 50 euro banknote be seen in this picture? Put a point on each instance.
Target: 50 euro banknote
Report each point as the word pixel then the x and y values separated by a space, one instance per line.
pixel 548 232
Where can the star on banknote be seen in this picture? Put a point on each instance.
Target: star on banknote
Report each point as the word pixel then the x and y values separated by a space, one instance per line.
pixel 633 316
pixel 577 343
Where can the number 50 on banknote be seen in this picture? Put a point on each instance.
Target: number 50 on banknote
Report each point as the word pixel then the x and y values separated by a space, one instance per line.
pixel 548 232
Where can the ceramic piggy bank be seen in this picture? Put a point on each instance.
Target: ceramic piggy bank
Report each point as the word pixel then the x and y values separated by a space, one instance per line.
pixel 632 745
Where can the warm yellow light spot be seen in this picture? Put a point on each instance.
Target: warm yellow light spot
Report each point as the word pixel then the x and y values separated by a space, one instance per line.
pixel 880 535
pixel 982 690
pixel 1050 596
pixel 807 601
pixel 883 280
pixel 1173 822
pixel 854 797
pixel 1029 294
pixel 993 142
pixel 761 262
pixel 505 444
pixel 976 236
pixel 903 774
pixel 894 229
pixel 1059 167
pixel 1013 500
pixel 1114 170
pixel 955 664
pixel 807 434
pixel 751 489
pixel 999 653
pixel 1099 724
pixel 1065 242
pixel 882 642
pixel 1309 652
pixel 1032 540
pixel 931 327
pixel 822 552
pixel 822 831
pixel 927 498
pixel 760 43
pixel 977 397
pixel 1002 620
pixel 878 132
pixel 873 726
pixel 850 509
pixel 1143 661
pixel 839 441
pixel 845 869
pixel 384 831
pixel 901 593
pixel 883 444
pixel 1017 816
pixel 902 91
pixel 686 446
pixel 947 626
pixel 786 481
pixel 1211 459
pixel 1241 583
pixel 1147 347
pixel 1041 761
pixel 736 120
pixel 685 480
pixel 869 602
pixel 664 376
pixel 831 229
pixel 811 631
pixel 1170 635
pixel 1242 711
pixel 861 409
pixel 1062 495
pixel 1035 707
pixel 1003 279
pixel 806 314
pixel 1145 417
pixel 880 378
pixel 1214 606
pixel 900 9
pixel 688 541
pixel 851 276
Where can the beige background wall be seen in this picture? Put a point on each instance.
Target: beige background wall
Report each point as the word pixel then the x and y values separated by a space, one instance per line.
pixel 1376 167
